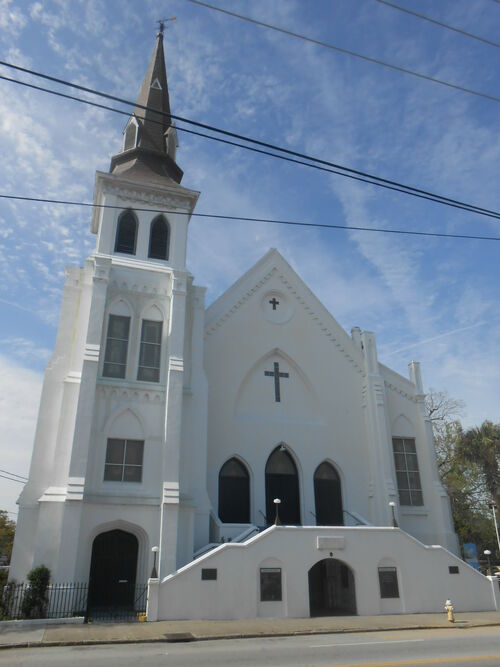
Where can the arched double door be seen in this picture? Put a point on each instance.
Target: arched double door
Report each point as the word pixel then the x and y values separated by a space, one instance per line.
pixel 328 496
pixel 282 481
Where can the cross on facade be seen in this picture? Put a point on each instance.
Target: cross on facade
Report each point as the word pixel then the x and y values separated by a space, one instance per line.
pixel 276 375
pixel 274 302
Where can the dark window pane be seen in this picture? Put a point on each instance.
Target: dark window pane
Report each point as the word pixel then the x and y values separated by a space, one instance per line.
pixel 158 240
pixel 402 478
pixel 151 331
pixel 270 584
pixel 132 473
pixel 114 370
pixel 115 358
pixel 412 462
pixel 119 327
pixel 409 444
pixel 150 351
pixel 208 574
pixel 134 452
pixel 417 498
pixel 326 471
pixel 126 233
pixel 113 473
pixel 414 479
pixel 404 497
pixel 388 580
pixel 114 451
pixel 400 461
pixel 398 445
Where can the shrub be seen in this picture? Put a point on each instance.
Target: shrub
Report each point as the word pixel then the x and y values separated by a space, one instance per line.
pixel 35 599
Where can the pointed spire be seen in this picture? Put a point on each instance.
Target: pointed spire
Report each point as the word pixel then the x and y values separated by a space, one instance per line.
pixel 150 136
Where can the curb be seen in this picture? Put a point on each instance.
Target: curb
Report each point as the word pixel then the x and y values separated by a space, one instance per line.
pixel 189 637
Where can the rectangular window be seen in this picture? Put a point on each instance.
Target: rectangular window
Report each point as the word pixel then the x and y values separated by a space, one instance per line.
pixel 208 573
pixel 270 584
pixel 150 352
pixel 388 580
pixel 407 474
pixel 124 460
pixel 115 358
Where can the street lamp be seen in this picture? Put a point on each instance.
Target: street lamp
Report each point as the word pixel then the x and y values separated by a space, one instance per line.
pixel 277 503
pixel 493 509
pixel 154 573
pixel 487 553
pixel 392 505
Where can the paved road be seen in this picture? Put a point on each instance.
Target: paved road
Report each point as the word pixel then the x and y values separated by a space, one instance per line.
pixel 479 647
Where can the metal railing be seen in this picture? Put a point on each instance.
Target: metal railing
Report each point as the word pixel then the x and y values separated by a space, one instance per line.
pixel 67 600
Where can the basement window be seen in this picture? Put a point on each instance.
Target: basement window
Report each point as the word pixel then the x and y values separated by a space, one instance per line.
pixel 388 580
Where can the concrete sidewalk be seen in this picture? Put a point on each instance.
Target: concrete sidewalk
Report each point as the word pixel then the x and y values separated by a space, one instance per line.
pixel 169 631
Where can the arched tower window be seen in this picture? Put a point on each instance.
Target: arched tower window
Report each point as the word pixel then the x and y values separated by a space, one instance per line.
pixel 126 233
pixel 130 134
pixel 328 496
pixel 282 481
pixel 234 492
pixel 159 238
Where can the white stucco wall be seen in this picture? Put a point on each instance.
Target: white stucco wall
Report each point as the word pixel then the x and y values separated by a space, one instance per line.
pixel 423 575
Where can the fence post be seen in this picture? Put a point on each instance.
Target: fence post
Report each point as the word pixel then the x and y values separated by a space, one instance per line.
pixel 153 599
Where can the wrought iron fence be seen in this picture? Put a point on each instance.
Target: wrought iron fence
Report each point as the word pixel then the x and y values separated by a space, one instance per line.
pixel 66 600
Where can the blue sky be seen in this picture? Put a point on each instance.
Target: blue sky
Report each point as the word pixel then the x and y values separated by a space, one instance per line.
pixel 433 300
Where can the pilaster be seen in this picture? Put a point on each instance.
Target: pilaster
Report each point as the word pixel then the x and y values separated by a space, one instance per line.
pixel 173 429
pixel 382 484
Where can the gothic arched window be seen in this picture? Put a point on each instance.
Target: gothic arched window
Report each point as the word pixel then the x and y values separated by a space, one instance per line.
pixel 159 238
pixel 234 492
pixel 126 233
pixel 328 496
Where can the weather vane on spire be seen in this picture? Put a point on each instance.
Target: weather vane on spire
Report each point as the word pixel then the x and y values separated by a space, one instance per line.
pixel 161 23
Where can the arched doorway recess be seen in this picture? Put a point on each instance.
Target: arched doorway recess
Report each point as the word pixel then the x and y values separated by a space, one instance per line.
pixel 234 492
pixel 282 481
pixel 113 570
pixel 328 496
pixel 331 589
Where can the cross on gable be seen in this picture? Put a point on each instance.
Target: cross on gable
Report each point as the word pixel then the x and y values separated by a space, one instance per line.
pixel 276 375
pixel 274 302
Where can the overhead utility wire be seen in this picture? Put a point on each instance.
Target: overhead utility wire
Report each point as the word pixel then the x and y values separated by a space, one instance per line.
pixel 12 479
pixel 7 472
pixel 439 23
pixel 348 52
pixel 351 173
pixel 240 218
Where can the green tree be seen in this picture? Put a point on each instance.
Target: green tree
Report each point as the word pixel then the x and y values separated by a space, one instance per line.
pixel 462 476
pixel 36 599
pixel 7 532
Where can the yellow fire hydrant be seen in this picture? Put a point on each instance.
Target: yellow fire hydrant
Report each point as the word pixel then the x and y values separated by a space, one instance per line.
pixel 449 608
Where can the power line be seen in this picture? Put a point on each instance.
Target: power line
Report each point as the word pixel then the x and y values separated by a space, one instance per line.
pixel 334 168
pixel 239 218
pixel 7 472
pixel 12 479
pixel 348 52
pixel 439 23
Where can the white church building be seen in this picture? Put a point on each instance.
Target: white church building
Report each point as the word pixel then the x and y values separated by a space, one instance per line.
pixel 168 426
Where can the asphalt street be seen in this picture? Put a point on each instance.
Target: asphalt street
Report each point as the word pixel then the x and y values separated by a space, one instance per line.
pixel 447 648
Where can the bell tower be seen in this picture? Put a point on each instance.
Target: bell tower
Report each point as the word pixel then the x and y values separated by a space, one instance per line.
pixel 123 389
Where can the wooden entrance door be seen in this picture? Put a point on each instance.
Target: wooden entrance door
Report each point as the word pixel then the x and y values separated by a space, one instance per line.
pixel 113 569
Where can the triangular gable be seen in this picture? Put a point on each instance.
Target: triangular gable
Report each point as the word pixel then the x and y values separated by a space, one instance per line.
pixel 255 279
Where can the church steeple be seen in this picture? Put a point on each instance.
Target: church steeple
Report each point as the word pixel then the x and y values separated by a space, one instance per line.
pixel 150 138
